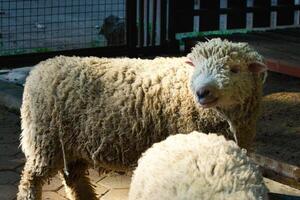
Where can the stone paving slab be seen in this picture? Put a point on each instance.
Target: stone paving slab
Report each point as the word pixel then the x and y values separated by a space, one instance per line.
pixel 101 190
pixel 54 185
pixel 49 195
pixel 7 192
pixel 9 149
pixel 9 177
pixel 11 95
pixel 116 194
pixel 115 181
pixel 10 163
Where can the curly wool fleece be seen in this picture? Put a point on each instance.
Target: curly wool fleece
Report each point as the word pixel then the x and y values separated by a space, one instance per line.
pixel 196 166
pixel 107 111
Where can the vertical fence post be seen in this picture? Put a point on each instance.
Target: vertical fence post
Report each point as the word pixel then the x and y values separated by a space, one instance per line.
pixel 163 22
pixel 131 29
pixel 154 13
pixel 147 23
pixel 172 28
pixel 141 22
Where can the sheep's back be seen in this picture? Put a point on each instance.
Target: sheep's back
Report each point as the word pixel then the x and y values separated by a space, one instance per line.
pixel 110 110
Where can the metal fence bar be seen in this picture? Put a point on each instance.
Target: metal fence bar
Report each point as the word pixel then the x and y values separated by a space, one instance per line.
pixel 131 34
pixel 171 24
pixel 141 22
pixel 147 22
pixel 163 21
pixel 154 13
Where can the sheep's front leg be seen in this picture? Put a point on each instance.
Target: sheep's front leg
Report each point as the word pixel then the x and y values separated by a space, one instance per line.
pixel 77 183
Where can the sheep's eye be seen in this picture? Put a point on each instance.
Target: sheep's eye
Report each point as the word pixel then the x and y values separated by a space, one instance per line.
pixel 234 70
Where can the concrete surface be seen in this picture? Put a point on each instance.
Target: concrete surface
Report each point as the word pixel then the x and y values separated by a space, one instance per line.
pixel 10 95
pixel 16 76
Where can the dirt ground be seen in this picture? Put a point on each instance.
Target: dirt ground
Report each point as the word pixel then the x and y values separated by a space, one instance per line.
pixel 278 134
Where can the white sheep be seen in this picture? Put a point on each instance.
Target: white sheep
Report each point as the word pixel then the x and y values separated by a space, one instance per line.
pixel 196 166
pixel 104 112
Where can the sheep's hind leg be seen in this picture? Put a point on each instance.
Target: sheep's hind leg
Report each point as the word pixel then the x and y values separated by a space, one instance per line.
pixel 77 183
pixel 32 180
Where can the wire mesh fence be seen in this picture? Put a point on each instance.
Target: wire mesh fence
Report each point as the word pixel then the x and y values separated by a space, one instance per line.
pixel 132 27
pixel 28 26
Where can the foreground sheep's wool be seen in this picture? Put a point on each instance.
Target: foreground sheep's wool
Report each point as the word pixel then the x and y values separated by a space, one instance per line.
pixel 104 112
pixel 196 166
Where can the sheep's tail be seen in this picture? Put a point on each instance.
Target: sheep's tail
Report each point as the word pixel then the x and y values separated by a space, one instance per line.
pixel 66 172
pixel 60 135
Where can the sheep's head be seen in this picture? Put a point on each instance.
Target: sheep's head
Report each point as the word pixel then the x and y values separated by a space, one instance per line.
pixel 226 73
pixel 109 25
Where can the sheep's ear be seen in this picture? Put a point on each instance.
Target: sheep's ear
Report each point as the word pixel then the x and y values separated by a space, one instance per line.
pixel 189 62
pixel 257 67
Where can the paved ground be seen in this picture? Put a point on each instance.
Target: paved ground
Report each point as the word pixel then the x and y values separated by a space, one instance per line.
pixel 109 187
pixel 114 186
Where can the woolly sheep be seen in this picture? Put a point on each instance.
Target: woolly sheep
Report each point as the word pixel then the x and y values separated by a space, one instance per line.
pixel 113 30
pixel 196 166
pixel 105 112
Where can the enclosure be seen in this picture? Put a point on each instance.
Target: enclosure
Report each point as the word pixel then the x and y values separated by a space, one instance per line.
pixel 34 30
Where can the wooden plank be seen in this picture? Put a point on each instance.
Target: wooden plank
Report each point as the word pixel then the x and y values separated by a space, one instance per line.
pixel 279 36
pixel 275 196
pixel 288 32
pixel 282 67
pixel 278 171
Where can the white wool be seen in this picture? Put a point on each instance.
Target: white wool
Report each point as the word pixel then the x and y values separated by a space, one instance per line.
pixel 105 112
pixel 196 166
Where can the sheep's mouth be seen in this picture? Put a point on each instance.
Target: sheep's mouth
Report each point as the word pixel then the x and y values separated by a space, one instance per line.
pixel 208 103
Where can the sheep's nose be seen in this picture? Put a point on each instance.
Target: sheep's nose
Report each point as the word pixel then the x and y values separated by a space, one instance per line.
pixel 203 92
pixel 207 96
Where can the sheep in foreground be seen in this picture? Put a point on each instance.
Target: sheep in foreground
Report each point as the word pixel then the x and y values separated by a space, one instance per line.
pixel 104 112
pixel 196 166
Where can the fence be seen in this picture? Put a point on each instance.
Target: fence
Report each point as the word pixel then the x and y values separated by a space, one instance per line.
pixel 200 15
pixel 32 30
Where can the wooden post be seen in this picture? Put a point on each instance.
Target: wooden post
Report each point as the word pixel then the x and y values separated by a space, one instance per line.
pixel 131 29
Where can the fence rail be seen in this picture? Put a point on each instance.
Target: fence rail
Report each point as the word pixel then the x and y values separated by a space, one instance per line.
pixel 237 14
